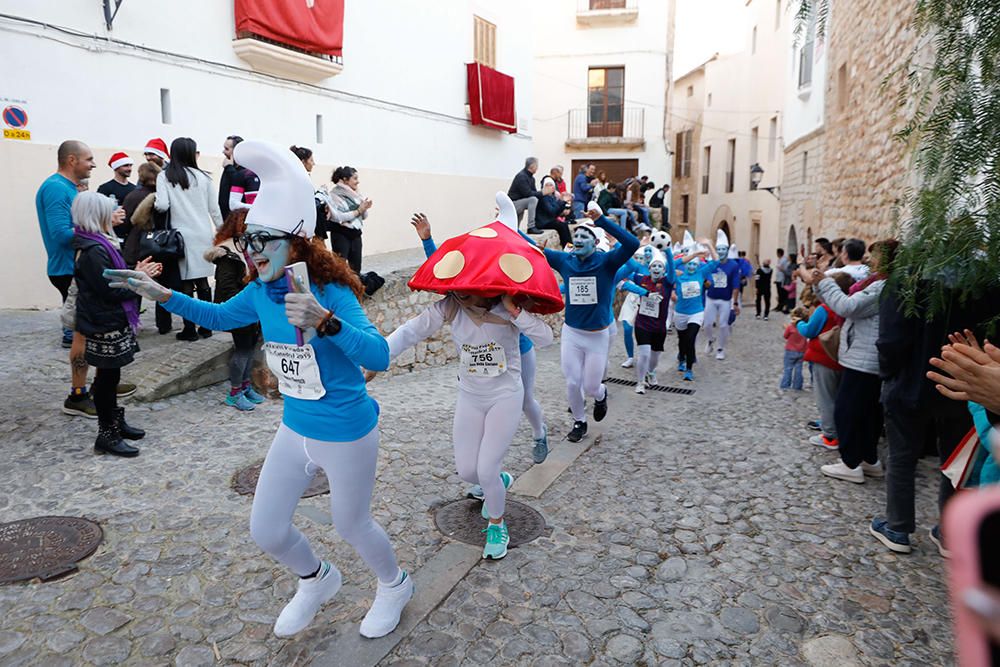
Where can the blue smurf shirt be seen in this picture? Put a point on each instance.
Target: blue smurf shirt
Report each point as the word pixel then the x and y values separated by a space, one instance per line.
pixel 524 343
pixel 725 279
pixel 690 288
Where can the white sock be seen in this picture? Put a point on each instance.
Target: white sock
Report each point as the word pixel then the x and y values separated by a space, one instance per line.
pixel 400 576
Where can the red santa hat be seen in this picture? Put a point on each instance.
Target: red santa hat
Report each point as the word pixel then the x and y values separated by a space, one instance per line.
pixel 157 147
pixel 119 160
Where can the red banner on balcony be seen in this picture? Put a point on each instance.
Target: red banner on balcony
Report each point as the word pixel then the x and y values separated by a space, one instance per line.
pixel 316 26
pixel 491 96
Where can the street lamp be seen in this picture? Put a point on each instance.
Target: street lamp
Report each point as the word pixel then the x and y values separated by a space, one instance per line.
pixel 756 175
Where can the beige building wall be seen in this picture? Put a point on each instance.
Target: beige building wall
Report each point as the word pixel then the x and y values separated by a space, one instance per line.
pixel 865 171
pixel 802 194
pixel 686 116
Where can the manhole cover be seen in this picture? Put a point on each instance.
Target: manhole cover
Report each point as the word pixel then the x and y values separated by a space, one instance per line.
pixel 245 482
pixel 461 520
pixel 45 547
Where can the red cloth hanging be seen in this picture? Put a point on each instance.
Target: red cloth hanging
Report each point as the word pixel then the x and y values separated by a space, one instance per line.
pixel 316 26
pixel 491 96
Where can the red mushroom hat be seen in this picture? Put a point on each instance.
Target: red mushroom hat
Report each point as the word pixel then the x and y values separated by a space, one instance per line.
pixel 490 261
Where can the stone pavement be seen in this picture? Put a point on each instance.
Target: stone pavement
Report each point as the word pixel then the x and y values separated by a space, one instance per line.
pixel 698 530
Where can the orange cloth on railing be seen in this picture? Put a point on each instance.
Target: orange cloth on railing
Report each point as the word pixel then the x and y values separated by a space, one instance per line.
pixel 491 96
pixel 316 26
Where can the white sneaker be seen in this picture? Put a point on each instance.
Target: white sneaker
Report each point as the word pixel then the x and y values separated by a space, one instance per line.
pixel 311 595
pixel 384 615
pixel 709 347
pixel 839 470
pixel 873 469
pixel 650 379
pixel 640 388
pixel 721 354
pixel 628 363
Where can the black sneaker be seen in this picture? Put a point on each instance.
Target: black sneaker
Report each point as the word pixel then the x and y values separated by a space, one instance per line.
pixel 814 425
pixel 82 407
pixel 204 333
pixel 601 407
pixel 187 335
pixel 534 230
pixel 579 430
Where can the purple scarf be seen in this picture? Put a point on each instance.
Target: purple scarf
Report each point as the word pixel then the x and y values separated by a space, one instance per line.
pixel 130 306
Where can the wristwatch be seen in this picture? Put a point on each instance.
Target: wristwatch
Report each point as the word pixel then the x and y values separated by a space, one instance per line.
pixel 329 325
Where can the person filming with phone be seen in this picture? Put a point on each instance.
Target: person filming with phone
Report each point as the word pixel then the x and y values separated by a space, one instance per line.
pixel 317 339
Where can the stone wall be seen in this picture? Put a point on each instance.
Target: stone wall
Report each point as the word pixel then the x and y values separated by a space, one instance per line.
pixel 865 170
pixel 802 197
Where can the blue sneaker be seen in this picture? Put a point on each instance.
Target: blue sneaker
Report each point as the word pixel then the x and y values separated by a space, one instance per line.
pixel 682 366
pixel 507 480
pixel 475 492
pixel 541 450
pixel 896 541
pixel 688 376
pixel 240 402
pixel 252 395
pixel 497 539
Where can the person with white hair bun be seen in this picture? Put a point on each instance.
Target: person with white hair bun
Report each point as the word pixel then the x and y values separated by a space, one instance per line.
pixel 318 338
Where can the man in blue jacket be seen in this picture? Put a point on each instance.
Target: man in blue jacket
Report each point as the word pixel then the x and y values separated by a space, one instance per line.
pixel 52 203
pixel 583 190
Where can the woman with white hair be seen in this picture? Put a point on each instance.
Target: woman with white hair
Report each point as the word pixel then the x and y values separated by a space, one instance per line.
pixel 108 318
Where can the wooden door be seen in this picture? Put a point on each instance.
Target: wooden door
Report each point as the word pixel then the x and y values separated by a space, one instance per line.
pixel 606 101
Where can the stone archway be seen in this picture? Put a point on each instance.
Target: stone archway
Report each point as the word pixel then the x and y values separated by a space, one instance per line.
pixel 726 221
pixel 793 241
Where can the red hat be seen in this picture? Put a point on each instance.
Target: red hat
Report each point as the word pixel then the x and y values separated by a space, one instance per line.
pixel 119 160
pixel 491 261
pixel 157 147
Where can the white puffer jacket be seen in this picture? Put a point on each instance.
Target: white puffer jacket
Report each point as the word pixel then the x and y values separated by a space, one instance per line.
pixel 859 333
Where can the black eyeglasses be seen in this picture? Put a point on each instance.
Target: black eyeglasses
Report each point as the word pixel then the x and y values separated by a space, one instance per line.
pixel 256 241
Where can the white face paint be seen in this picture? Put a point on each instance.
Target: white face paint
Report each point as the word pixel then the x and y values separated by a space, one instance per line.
pixel 657 268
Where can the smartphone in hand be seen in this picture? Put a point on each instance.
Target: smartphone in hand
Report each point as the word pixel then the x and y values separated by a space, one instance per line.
pixel 297 277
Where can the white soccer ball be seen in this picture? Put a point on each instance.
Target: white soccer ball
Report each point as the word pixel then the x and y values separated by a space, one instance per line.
pixel 660 240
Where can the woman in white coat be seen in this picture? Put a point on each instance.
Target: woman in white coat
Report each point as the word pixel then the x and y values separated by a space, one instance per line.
pixel 189 194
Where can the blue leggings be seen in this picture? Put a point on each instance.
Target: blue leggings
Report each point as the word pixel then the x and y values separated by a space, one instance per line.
pixel 629 338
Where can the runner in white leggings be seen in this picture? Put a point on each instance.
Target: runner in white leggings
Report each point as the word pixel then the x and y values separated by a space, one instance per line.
pixel 329 422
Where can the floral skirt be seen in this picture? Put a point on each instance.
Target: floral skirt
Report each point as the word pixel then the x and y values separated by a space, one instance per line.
pixel 113 349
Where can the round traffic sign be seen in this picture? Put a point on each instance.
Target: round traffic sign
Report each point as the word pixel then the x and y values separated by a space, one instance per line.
pixel 15 117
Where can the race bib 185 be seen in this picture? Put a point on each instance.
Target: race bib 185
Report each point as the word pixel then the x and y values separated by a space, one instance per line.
pixel 583 290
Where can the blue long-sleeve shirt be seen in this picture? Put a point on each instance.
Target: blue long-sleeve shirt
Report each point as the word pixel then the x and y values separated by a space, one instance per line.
pixel 52 204
pixel 346 412
pixel 601 267
pixel 724 280
pixel 693 302
pixel 430 248
pixel 814 326
pixel 582 189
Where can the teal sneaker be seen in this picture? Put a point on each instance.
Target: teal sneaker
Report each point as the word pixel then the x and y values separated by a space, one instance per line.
pixel 541 449
pixel 240 402
pixel 252 395
pixel 507 480
pixel 497 539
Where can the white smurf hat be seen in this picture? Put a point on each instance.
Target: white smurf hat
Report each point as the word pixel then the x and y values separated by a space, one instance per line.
pixel 721 238
pixel 733 252
pixel 688 242
pixel 285 200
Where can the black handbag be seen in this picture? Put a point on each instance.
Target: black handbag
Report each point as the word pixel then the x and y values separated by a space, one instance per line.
pixel 162 244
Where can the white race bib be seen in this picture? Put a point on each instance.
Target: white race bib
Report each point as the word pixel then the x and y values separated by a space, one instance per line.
pixel 649 307
pixel 690 289
pixel 296 370
pixel 486 360
pixel 583 290
pixel 720 280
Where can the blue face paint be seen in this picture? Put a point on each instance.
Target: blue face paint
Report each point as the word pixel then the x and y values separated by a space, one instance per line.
pixel 584 243
pixel 723 251
pixel 692 266
pixel 272 260
pixel 647 255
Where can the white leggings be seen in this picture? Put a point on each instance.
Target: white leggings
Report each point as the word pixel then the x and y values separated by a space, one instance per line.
pixel 646 361
pixel 584 357
pixel 484 427
pixel 350 468
pixel 717 310
pixel 531 407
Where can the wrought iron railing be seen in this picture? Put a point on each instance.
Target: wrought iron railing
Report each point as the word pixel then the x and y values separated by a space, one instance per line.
pixel 605 122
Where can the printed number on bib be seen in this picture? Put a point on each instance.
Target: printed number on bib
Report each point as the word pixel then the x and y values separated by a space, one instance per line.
pixel 296 370
pixel 720 280
pixel 690 289
pixel 486 360
pixel 583 290
pixel 649 307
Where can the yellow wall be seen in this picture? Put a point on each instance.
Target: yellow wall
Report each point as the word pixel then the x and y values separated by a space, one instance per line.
pixel 454 203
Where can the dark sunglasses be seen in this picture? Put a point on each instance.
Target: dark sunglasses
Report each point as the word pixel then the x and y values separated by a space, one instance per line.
pixel 256 241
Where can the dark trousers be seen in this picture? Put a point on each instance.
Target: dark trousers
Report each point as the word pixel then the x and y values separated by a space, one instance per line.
pixel 171 279
pixel 197 286
pixel 858 414
pixel 104 391
pixel 686 344
pixel 347 247
pixel 782 304
pixel 561 228
pixel 62 284
pixel 905 429
pixel 765 296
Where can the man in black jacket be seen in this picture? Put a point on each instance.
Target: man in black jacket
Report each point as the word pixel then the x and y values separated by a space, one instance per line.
pixel 524 193
pixel 913 407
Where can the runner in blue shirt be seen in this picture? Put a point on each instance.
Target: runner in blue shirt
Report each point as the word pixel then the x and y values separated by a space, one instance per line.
pixel 689 310
pixel 722 297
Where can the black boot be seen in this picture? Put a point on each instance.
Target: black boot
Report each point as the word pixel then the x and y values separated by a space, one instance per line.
pixel 110 442
pixel 126 431
pixel 601 407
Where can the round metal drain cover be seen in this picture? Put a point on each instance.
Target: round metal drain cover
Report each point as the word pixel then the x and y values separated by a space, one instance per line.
pixel 45 547
pixel 245 482
pixel 461 520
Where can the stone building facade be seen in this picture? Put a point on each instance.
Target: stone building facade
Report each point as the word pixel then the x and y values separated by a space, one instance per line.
pixel 802 193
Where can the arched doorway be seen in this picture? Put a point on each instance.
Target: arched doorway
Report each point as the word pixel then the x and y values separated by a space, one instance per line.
pixel 726 221
pixel 793 241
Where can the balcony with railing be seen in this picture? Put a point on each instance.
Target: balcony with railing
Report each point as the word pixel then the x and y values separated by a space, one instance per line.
pixel 598 12
pixel 611 127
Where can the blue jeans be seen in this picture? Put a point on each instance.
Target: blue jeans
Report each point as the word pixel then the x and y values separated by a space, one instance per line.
pixel 792 377
pixel 623 216
pixel 578 208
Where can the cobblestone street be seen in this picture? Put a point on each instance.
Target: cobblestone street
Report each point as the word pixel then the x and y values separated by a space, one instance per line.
pixel 697 530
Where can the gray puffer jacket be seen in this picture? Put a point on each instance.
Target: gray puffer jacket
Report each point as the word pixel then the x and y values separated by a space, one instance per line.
pixel 859 332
